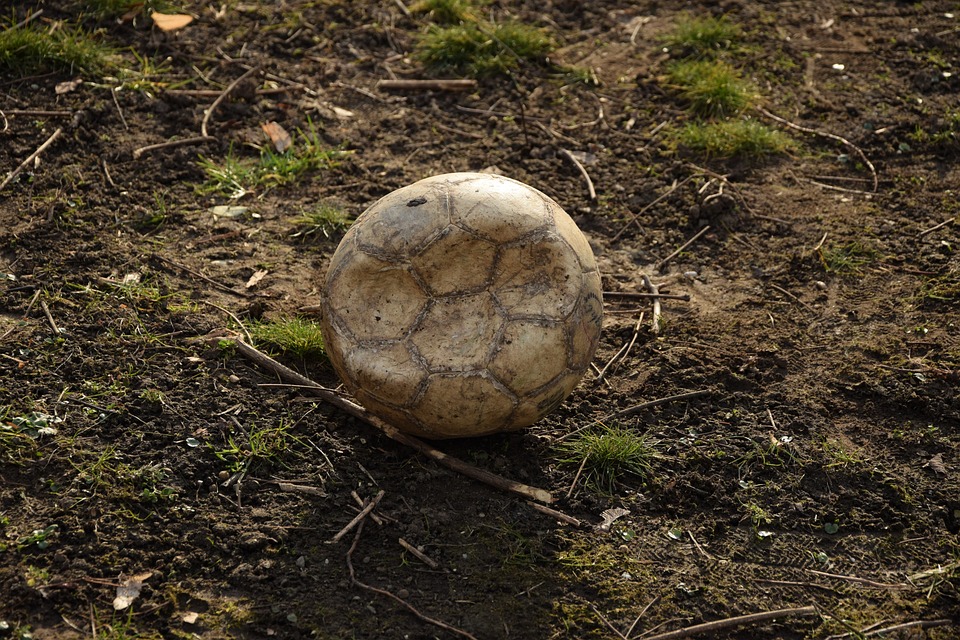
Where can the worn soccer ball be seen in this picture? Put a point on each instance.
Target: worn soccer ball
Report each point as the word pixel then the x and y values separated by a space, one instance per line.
pixel 462 305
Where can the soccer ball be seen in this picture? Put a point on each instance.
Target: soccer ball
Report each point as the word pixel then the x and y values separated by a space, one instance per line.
pixel 462 305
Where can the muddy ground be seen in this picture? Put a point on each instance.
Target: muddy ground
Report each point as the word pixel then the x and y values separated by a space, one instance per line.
pixel 819 467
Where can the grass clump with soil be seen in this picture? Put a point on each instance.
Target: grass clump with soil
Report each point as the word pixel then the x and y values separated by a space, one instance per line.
pixel 607 453
pixel 470 46
pixel 34 48
pixel 324 219
pixel 293 336
pixel 733 138
pixel 713 89
pixel 236 176
pixel 702 36
pixel 446 11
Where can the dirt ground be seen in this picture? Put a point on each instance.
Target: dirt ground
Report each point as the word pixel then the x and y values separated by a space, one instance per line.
pixel 818 467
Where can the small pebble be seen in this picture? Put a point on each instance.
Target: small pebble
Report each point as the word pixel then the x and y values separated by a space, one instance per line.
pixel 820 284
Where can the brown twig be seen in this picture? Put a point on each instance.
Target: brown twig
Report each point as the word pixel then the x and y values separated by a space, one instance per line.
pixel 40 113
pixel 831 187
pixel 226 92
pixel 790 295
pixel 171 143
pixel 663 296
pixel 727 623
pixel 395 598
pixel 419 555
pixel 583 465
pixel 660 265
pixel 368 507
pixel 338 401
pixel 459 84
pixel 938 226
pixel 33 156
pixel 640 615
pixel 46 312
pixel 655 321
pixel 559 515
pixel 655 201
pixel 864 581
pixel 831 136
pixel 30 18
pixel 629 411
pixel 633 340
pixel 792 583
pixel 197 274
pixel 607 623
pixel 565 153
pixel 914 624
pixel 356 498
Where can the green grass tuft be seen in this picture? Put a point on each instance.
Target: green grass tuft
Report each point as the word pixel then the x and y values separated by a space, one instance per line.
pixel 323 219
pixel 235 177
pixel 447 11
pixel 731 138
pixel 34 48
pixel 702 36
pixel 847 259
pixel 609 452
pixel 714 89
pixel 476 49
pixel 294 336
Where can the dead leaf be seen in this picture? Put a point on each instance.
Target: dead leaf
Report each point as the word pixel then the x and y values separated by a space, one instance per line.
pixel 278 136
pixel 170 21
pixel 936 463
pixel 129 590
pixel 256 278
pixel 67 86
pixel 610 516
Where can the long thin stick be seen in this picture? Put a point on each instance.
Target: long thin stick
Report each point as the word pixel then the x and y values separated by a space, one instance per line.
pixel 583 171
pixel 397 599
pixel 859 580
pixel 656 200
pixel 33 156
pixel 370 506
pixel 631 294
pixel 657 310
pixel 332 398
pixel 856 149
pixel 559 515
pixel 935 227
pixel 420 555
pixel 717 625
pixel 171 143
pixel 629 411
pixel 459 84
pixel 660 265
pixel 216 103
pixel 919 624
pixel 218 285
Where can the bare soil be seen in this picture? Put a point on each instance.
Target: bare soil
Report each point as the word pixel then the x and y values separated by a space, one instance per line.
pixel 821 466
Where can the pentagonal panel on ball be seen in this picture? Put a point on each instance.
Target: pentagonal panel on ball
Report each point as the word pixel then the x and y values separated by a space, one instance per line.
pixel 539 277
pixel 463 405
pixel 585 325
pixel 530 355
pixel 551 396
pixel 373 299
pixel 498 208
pixel 457 333
pixel 389 372
pixel 455 262
pixel 402 221
pixel 568 230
